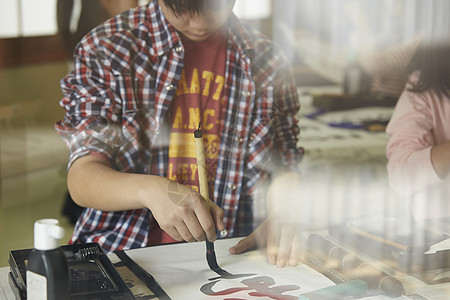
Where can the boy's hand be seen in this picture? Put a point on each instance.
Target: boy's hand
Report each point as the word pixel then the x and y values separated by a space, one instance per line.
pixel 180 211
pixel 281 241
pixel 185 215
pixel 280 234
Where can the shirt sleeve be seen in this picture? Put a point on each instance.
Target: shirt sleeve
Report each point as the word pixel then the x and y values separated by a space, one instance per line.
pixel 286 122
pixel 410 141
pixel 92 121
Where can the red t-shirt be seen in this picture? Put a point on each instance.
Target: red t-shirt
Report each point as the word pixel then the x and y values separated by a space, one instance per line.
pixel 198 99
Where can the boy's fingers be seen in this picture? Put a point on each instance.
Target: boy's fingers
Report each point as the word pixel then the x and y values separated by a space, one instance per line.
pixel 217 215
pixel 185 232
pixel 245 244
pixel 296 252
pixel 203 214
pixel 284 246
pixel 173 232
pixel 195 228
pixel 273 239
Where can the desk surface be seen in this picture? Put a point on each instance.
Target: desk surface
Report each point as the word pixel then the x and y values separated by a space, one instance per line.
pixel 182 271
pixel 324 142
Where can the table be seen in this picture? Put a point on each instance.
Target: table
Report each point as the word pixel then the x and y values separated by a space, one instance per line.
pixel 181 269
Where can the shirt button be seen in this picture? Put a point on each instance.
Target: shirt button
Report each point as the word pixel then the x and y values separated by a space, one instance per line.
pixel 232 186
pixel 240 139
pixel 246 94
pixel 252 136
pixel 179 49
pixel 223 233
pixel 169 87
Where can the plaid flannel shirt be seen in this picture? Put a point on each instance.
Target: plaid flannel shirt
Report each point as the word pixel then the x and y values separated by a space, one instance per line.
pixel 117 97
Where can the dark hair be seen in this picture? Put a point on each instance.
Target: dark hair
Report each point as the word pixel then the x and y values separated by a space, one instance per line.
pixel 432 59
pixel 194 7
pixel 92 14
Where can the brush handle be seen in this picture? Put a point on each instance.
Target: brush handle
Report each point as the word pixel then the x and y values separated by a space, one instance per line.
pixel 201 163
pixel 202 174
pixel 203 186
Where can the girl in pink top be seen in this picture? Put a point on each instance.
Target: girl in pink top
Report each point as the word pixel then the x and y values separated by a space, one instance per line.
pixel 418 150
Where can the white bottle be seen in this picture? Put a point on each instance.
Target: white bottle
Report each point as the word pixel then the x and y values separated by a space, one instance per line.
pixel 47 269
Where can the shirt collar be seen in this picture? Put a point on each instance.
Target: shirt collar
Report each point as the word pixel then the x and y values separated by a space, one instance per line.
pixel 163 35
pixel 241 36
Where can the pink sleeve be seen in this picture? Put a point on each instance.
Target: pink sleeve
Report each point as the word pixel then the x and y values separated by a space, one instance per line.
pixel 410 140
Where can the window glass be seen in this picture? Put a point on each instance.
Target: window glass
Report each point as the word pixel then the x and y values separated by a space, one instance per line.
pixel 9 18
pixel 30 17
pixel 253 9
pixel 38 17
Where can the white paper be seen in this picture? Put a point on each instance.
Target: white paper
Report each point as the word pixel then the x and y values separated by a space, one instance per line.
pixel 182 271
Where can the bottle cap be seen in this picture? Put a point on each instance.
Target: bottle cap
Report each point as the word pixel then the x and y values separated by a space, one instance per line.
pixel 47 234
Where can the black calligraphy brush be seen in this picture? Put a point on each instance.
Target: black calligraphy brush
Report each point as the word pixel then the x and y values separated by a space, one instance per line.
pixel 203 185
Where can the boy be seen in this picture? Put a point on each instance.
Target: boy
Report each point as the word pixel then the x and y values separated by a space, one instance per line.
pixel 141 85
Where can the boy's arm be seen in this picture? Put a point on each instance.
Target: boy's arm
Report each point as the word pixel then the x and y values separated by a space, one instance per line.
pixel 179 210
